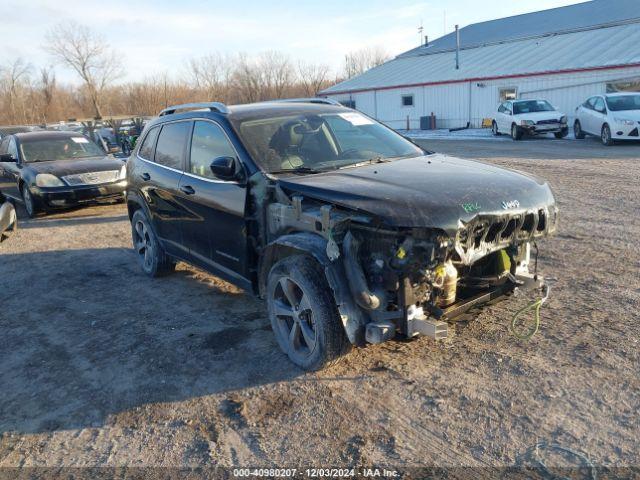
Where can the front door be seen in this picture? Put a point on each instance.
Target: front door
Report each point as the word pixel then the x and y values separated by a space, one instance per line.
pixel 599 115
pixel 214 228
pixel 9 171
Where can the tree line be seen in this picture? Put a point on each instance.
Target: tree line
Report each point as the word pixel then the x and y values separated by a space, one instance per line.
pixel 32 95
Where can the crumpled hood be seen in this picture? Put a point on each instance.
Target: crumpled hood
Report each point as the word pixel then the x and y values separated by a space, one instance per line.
pixel 435 191
pixel 61 168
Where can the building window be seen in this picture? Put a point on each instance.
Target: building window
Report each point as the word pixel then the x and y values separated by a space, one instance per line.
pixel 507 94
pixel 624 86
pixel 407 100
pixel 348 103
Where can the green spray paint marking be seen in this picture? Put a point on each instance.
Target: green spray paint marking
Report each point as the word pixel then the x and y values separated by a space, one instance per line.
pixel 471 207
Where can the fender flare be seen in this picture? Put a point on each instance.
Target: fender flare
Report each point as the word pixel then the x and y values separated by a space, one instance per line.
pixel 353 318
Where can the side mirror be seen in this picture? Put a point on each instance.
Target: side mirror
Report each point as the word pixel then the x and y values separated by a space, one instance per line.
pixel 7 157
pixel 224 168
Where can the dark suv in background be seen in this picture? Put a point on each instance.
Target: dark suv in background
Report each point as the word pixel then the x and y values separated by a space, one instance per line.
pixel 352 233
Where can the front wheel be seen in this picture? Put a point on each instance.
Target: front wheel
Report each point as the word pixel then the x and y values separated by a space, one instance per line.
pixel 577 130
pixel 29 202
pixel 153 260
pixel 303 313
pixel 562 133
pixel 605 135
pixel 516 132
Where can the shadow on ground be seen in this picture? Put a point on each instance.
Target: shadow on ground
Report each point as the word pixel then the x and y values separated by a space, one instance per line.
pixel 86 335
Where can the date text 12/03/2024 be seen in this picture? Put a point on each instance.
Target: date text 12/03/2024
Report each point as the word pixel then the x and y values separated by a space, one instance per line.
pixel 316 472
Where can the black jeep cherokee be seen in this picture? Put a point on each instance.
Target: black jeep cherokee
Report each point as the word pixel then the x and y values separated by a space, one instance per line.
pixel 351 232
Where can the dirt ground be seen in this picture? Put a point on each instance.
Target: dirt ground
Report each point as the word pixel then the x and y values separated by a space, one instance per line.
pixel 102 366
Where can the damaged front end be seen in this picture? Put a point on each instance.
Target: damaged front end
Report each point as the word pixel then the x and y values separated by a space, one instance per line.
pixel 411 281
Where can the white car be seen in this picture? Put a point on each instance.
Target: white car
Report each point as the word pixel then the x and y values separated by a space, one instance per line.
pixel 532 117
pixel 611 117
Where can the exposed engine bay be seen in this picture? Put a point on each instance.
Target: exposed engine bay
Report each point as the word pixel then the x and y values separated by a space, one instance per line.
pixel 411 281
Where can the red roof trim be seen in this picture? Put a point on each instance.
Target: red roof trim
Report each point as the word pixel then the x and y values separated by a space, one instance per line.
pixel 479 79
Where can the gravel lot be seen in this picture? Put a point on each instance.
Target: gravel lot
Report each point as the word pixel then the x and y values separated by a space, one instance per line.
pixel 101 366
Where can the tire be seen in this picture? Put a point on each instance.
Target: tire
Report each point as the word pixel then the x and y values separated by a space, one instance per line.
pixel 28 202
pixel 303 313
pixel 577 130
pixel 151 256
pixel 605 136
pixel 494 129
pixel 562 133
pixel 516 132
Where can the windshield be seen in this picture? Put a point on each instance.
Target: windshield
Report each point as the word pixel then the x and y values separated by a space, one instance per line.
pixel 65 148
pixel 311 142
pixel 532 106
pixel 624 102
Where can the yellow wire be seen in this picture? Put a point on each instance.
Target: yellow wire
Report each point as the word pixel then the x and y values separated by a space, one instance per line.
pixel 536 327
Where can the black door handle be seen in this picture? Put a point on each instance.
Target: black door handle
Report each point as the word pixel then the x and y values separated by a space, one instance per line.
pixel 188 189
pixel 145 176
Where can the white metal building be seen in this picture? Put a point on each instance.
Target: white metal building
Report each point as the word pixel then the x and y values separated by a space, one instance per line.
pixel 563 55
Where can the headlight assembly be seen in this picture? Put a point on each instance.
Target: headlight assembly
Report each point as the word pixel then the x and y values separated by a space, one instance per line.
pixel 624 121
pixel 563 119
pixel 527 123
pixel 48 180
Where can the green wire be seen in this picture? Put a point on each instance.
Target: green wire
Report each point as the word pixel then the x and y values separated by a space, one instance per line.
pixel 536 326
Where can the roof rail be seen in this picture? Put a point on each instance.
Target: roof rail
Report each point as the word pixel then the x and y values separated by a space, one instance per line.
pixel 326 101
pixel 212 106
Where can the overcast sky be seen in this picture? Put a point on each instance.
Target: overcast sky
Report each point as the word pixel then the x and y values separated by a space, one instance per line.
pixel 158 36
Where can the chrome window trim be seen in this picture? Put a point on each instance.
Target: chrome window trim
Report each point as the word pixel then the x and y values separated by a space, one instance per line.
pixel 184 172
pixel 213 180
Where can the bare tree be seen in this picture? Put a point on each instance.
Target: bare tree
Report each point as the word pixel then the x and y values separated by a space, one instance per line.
pixel 277 74
pixel 14 77
pixel 47 90
pixel 211 73
pixel 88 55
pixel 247 78
pixel 359 61
pixel 313 77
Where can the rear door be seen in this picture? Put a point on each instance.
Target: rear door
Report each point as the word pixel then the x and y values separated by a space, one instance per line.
pixel 159 176
pixel 214 228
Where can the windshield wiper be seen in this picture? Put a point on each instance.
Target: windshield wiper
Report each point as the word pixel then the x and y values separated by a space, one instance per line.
pixel 369 162
pixel 295 170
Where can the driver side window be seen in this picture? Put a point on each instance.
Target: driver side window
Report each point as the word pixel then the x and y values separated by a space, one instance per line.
pixel 12 149
pixel 208 142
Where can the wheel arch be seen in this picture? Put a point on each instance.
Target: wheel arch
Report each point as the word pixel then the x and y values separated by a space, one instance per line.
pixel 353 318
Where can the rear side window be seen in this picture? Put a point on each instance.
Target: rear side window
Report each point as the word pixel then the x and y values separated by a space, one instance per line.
pixel 208 143
pixel 171 144
pixel 146 149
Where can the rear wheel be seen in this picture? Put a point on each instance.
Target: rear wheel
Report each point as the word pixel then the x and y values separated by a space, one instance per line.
pixel 153 260
pixel 516 132
pixel 303 313
pixel 494 129
pixel 605 135
pixel 577 130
